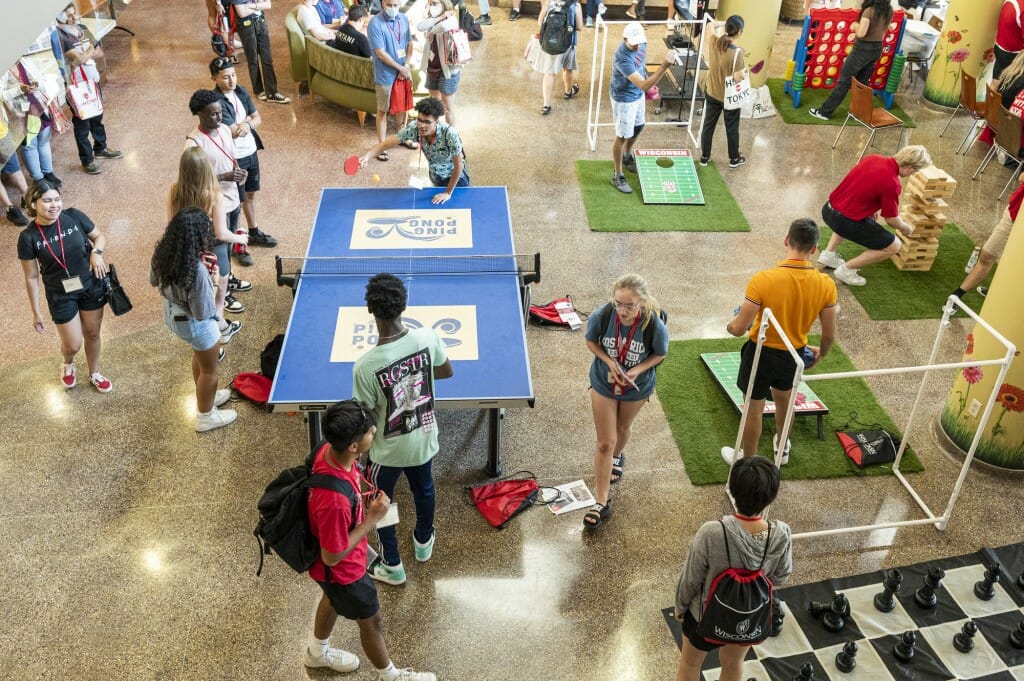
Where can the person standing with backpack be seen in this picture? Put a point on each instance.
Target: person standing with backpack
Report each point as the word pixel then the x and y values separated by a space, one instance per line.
pixel 341 528
pixel 627 346
pixel 736 545
pixel 560 23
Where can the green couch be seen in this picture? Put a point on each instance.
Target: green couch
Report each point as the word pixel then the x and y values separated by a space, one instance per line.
pixel 345 79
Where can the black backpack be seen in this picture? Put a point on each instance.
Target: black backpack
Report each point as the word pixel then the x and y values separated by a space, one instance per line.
pixel 284 515
pixel 270 356
pixel 739 606
pixel 467 22
pixel 556 33
pixel 606 317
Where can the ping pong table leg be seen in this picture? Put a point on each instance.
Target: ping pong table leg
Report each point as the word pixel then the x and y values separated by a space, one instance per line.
pixel 316 432
pixel 494 442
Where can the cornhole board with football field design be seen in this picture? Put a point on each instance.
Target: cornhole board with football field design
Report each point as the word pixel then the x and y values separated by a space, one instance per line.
pixel 668 176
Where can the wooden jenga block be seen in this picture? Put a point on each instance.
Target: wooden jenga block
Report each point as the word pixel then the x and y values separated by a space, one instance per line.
pixel 943 190
pixel 932 176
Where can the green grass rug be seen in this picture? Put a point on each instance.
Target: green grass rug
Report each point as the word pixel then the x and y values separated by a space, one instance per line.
pixel 703 419
pixel 609 210
pixel 894 294
pixel 812 99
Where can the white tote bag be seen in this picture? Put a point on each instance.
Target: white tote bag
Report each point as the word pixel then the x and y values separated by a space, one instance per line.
pixel 83 95
pixel 736 91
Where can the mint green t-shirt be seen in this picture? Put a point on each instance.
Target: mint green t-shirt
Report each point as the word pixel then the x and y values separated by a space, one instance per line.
pixel 397 381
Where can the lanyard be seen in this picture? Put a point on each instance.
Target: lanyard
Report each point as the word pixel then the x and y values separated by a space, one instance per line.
pixel 62 260
pixel 234 163
pixel 397 36
pixel 622 349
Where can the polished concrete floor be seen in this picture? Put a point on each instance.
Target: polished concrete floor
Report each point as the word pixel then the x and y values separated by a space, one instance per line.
pixel 127 539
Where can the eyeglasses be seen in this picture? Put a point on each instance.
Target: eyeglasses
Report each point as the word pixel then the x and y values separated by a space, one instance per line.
pixel 625 306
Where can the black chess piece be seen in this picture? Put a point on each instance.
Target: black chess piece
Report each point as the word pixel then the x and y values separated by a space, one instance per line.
pixel 964 639
pixel 984 589
pixel 834 619
pixel 1020 582
pixel 778 617
pixel 846 659
pixel 904 648
pixel 925 596
pixel 885 601
pixel 1017 635
pixel 806 673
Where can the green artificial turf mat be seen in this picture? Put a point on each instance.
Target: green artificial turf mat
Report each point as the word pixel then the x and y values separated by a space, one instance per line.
pixel 896 294
pixel 703 420
pixel 609 210
pixel 812 99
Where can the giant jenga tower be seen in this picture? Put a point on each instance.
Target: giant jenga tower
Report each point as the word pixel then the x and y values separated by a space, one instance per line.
pixel 923 208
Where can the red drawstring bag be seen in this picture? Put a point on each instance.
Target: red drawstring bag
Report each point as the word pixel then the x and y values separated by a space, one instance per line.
pixel 253 387
pixel 401 96
pixel 502 500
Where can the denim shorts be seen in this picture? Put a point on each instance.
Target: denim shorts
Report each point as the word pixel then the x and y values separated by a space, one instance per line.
pixel 447 86
pixel 200 334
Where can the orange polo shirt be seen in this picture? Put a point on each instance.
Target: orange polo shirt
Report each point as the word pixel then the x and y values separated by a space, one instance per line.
pixel 796 293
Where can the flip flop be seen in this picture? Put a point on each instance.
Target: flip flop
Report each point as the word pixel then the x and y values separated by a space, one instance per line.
pixel 618 468
pixel 383 156
pixel 597 514
pixel 573 91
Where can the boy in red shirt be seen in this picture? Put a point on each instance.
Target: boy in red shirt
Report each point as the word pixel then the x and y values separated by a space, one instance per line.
pixel 341 529
pixel 872 187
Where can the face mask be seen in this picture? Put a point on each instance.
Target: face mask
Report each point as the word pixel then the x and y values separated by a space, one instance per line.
pixel 392 12
pixel 435 10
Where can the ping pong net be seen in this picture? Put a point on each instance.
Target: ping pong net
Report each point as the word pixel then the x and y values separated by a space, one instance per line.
pixel 290 269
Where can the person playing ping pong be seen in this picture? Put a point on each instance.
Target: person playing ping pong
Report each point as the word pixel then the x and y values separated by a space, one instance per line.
pixel 439 142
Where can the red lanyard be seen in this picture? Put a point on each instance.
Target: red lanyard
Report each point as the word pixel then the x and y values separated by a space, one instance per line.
pixel 622 349
pixel 397 36
pixel 62 260
pixel 749 519
pixel 234 163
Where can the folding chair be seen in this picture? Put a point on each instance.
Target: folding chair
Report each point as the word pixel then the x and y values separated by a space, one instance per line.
pixel 992 120
pixel 864 111
pixel 922 59
pixel 969 103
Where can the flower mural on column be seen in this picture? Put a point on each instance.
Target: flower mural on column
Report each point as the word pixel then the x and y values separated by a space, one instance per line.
pixel 951 52
pixel 1010 398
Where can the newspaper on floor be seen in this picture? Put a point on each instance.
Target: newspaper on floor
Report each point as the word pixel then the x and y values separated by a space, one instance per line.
pixel 571 496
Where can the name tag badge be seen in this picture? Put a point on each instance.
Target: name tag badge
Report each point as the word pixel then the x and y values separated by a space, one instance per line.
pixel 72 284
pixel 416 182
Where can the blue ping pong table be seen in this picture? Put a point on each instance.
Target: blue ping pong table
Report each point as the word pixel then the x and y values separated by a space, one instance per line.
pixel 477 309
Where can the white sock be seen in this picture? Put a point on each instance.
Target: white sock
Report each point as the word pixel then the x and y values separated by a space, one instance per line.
pixel 318 647
pixel 389 673
pixel 205 413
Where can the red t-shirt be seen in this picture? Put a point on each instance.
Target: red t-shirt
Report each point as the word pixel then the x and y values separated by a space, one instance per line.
pixel 1015 200
pixel 872 185
pixel 1009 35
pixel 330 516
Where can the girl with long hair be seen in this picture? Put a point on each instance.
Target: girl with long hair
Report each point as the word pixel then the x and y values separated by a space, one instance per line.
pixel 65 249
pixel 185 271
pixel 870 28
pixel 725 59
pixel 626 349
pixel 198 186
pixel 442 79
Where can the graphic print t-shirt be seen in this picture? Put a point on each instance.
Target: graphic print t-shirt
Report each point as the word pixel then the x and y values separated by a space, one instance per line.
pixel 637 353
pixel 397 381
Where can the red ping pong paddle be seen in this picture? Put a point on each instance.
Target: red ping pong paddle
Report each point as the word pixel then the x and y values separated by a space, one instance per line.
pixel 352 165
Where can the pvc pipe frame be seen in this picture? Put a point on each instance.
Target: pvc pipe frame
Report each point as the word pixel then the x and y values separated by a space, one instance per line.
pixel 939 521
pixel 597 78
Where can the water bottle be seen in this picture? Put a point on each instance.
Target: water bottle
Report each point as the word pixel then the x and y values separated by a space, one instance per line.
pixel 972 260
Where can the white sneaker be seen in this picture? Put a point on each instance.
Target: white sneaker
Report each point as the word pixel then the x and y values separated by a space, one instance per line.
pixel 335 658
pixel 424 551
pixel 411 675
pixel 848 276
pixel 830 259
pixel 785 454
pixel 221 396
pixel 215 419
pixel 729 455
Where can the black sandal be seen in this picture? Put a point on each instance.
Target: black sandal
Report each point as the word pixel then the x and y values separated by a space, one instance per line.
pixel 597 515
pixel 618 467
pixel 573 91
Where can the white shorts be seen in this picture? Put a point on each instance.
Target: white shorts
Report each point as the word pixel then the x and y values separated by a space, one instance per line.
pixel 628 116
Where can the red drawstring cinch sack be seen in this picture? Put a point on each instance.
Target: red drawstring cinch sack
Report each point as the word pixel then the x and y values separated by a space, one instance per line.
pixel 502 500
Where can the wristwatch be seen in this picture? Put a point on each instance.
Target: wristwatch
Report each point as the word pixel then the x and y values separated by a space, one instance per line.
pixel 98 251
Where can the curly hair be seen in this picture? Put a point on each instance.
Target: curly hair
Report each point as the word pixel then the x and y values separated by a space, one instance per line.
pixel 201 99
pixel 177 252
pixel 430 106
pixel 197 184
pixel 385 296
pixel 35 192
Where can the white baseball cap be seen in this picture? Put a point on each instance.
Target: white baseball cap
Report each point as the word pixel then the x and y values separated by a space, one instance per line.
pixel 634 33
